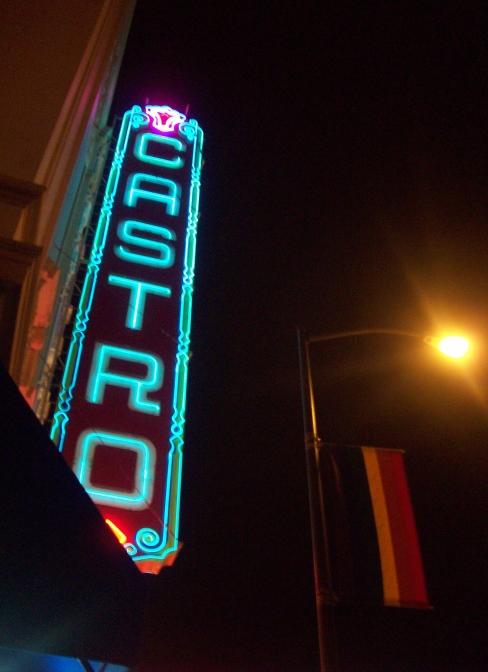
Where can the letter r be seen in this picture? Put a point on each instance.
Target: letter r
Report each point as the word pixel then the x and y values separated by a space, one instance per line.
pixel 101 376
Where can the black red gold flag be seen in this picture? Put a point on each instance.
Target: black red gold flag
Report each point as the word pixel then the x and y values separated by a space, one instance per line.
pixel 373 542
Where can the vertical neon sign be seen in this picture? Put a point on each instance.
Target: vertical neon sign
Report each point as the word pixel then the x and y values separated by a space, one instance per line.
pixel 121 411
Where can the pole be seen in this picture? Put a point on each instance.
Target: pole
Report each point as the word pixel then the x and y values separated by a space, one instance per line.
pixel 324 596
pixel 85 664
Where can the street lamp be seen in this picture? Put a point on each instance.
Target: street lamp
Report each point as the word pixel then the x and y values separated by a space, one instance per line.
pixel 451 346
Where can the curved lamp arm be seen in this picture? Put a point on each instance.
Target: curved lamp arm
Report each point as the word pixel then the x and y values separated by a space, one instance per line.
pixel 365 332
pixel 451 346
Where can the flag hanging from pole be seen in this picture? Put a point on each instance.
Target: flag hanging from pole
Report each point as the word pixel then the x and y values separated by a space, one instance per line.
pixel 373 543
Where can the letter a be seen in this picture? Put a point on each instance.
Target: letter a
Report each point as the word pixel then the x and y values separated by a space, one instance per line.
pixel 171 199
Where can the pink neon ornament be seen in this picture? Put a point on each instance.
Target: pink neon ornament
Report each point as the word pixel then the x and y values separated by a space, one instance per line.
pixel 164 118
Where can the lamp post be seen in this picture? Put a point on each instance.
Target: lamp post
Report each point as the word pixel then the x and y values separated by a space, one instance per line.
pixel 452 346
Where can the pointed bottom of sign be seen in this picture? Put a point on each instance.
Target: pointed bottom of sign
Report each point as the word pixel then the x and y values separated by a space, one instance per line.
pixel 155 565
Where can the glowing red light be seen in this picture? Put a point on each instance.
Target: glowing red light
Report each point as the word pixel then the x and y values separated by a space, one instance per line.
pixel 118 533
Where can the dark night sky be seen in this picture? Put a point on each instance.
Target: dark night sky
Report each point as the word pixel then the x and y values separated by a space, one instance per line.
pixel 344 187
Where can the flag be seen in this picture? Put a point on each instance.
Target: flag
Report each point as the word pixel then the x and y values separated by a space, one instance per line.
pixel 373 544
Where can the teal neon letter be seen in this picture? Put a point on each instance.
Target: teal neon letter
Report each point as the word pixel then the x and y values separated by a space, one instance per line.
pixel 137 300
pixel 101 376
pixel 142 481
pixel 133 192
pixel 166 253
pixel 140 150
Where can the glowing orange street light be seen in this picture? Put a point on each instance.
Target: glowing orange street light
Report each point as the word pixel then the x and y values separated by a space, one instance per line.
pixel 452 346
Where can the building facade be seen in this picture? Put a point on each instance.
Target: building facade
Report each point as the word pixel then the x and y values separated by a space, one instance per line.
pixel 60 63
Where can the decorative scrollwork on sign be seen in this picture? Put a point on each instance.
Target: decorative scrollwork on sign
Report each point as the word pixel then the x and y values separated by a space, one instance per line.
pixel 61 416
pixel 138 117
pixel 131 549
pixel 188 129
pixel 149 540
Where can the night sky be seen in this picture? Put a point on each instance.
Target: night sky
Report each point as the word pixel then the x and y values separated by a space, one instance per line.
pixel 344 187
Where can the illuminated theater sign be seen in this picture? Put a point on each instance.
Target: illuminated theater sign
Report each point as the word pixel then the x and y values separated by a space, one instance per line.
pixel 121 411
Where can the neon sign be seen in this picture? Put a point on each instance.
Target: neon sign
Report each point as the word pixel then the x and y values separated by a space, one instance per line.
pixel 120 416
